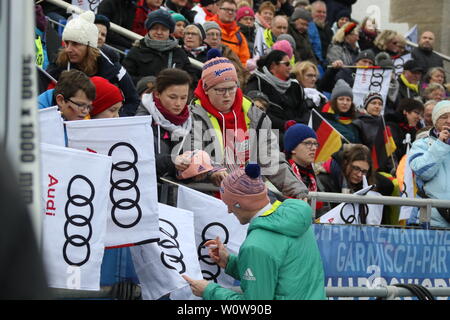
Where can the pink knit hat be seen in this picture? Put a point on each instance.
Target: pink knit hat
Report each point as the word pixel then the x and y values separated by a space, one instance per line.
pixel 285 46
pixel 244 12
pixel 245 189
pixel 218 70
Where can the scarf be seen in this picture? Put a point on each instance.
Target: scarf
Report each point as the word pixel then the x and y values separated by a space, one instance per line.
pixel 209 14
pixel 196 51
pixel 229 28
pixel 280 85
pixel 179 126
pixel 160 45
pixel 414 87
pixel 232 125
pixel 261 21
pixel 308 177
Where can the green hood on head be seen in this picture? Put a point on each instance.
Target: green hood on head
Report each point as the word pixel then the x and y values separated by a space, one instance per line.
pixel 292 218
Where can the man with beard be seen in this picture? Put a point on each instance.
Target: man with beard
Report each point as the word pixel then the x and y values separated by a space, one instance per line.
pixel 319 15
pixel 424 54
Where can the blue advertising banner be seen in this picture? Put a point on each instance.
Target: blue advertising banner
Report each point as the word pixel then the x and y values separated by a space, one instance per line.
pixel 371 256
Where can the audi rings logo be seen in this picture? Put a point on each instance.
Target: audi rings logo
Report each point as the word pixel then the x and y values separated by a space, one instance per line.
pixel 376 81
pixel 93 4
pixel 207 274
pixel 78 219
pixel 125 184
pixel 351 218
pixel 171 256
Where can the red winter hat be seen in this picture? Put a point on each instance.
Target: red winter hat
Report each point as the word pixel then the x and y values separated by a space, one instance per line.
pixel 244 12
pixel 106 95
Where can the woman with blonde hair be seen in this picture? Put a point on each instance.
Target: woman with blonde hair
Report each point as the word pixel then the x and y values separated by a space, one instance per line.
pixel 391 42
pixel 80 52
pixel 307 74
pixel 344 45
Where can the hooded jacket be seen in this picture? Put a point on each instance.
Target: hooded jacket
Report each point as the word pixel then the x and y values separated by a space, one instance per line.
pixel 273 163
pixel 279 259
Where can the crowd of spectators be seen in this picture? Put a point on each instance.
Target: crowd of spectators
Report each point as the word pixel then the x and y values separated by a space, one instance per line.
pixel 266 65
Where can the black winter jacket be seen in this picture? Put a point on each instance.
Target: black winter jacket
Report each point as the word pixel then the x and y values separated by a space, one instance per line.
pixel 142 61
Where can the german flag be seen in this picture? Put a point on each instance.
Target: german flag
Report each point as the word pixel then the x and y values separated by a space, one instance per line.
pixel 383 146
pixel 328 138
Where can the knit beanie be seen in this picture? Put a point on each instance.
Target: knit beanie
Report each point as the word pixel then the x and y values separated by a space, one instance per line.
pixel 296 134
pixel 218 70
pixel 285 46
pixel 106 95
pixel 341 89
pixel 384 60
pixel 288 37
pixel 104 20
pixel 245 189
pixel 162 17
pixel 179 17
pixel 208 25
pixel 366 54
pixel 439 109
pixel 301 13
pixel 372 96
pixel 244 12
pixel 82 30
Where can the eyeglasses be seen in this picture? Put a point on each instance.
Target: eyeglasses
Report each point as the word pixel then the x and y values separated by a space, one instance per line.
pixel 213 35
pixel 223 91
pixel 359 170
pixel 193 34
pixel 81 106
pixel 310 144
pixel 228 10
pixel 286 63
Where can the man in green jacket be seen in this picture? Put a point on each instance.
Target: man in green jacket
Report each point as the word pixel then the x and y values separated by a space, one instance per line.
pixel 279 259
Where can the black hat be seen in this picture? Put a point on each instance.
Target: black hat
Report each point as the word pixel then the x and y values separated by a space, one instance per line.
pixel 366 54
pixel 104 20
pixel 206 3
pixel 413 66
pixel 160 16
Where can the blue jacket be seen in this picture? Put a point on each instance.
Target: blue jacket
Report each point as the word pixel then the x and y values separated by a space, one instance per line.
pixel 46 99
pixel 429 160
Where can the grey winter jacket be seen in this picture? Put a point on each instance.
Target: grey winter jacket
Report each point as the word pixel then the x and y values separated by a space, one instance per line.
pixel 273 163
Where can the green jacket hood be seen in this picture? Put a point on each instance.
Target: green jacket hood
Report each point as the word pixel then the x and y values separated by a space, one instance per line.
pixel 292 218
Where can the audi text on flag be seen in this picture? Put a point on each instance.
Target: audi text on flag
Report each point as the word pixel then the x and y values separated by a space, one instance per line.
pixel 74 210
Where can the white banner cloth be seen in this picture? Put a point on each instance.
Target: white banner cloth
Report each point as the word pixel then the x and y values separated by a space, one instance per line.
pixel 348 213
pixel 159 265
pixel 51 126
pixel 133 200
pixel 74 205
pixel 211 219
pixel 371 80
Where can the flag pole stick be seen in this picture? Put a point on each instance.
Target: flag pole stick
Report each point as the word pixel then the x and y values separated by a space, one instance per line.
pixel 323 119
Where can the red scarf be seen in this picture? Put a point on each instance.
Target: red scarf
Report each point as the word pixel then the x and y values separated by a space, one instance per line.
pixel 231 123
pixel 307 176
pixel 209 15
pixel 175 119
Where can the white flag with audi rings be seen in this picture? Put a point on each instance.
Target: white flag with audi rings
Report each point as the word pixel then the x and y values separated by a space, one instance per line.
pixel 211 219
pixel 133 200
pixel 74 210
pixel 51 126
pixel 159 266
